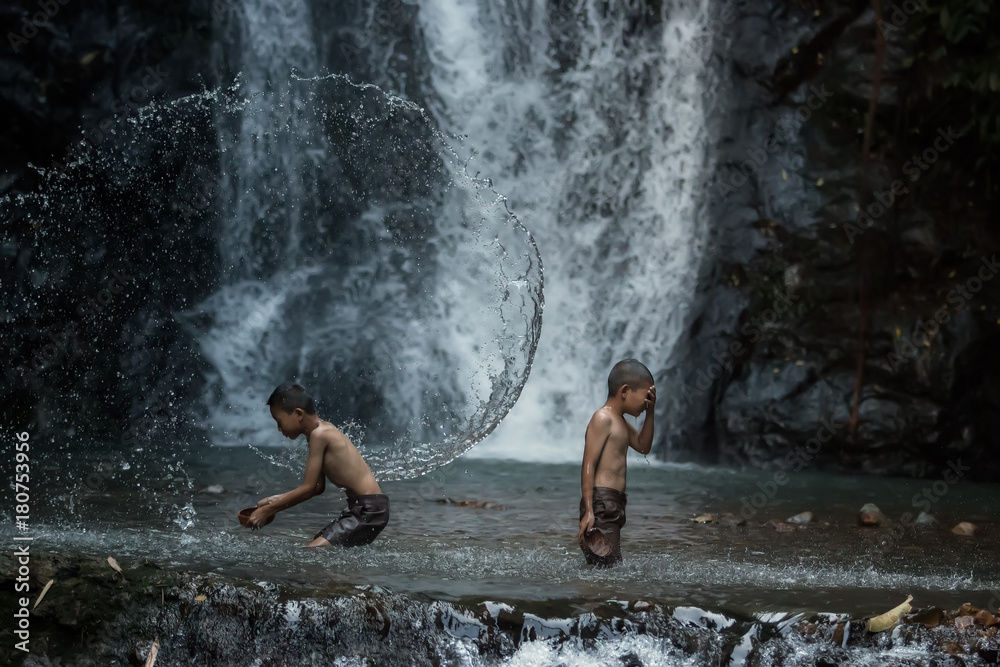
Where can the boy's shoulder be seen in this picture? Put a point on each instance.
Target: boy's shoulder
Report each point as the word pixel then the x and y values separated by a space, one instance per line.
pixel 603 417
pixel 328 434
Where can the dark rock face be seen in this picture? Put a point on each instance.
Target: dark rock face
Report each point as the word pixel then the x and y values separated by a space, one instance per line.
pixel 773 356
pixel 69 91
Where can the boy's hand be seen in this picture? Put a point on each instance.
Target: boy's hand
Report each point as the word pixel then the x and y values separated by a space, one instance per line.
pixel 267 501
pixel 586 524
pixel 650 398
pixel 258 519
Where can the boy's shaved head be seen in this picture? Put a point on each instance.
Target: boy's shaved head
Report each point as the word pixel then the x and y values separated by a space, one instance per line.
pixel 289 396
pixel 630 372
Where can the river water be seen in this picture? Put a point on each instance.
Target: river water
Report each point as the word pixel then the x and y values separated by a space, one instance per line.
pixel 492 529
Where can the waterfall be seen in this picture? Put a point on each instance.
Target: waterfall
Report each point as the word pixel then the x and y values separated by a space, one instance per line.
pixel 594 127
pixel 358 256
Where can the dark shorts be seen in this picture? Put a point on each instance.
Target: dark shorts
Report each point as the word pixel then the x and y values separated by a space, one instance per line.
pixel 360 523
pixel 609 517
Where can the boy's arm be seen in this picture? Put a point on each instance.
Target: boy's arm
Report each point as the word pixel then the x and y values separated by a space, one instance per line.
pixel 313 484
pixel 642 441
pixel 598 432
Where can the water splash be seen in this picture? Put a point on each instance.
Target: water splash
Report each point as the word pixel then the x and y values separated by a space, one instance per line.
pixel 408 300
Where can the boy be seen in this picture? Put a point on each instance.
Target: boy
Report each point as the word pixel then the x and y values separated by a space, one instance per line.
pixel 332 456
pixel 608 437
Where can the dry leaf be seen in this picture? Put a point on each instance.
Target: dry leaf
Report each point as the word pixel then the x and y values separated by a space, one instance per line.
pixel 889 618
pixel 89 58
pixel 44 591
pixel 153 650
pixel 200 598
pixel 113 563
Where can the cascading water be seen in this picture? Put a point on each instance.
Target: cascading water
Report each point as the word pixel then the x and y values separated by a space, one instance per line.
pixel 594 127
pixel 359 257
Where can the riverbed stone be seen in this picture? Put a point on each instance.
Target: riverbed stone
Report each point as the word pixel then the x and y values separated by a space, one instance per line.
pixel 871 515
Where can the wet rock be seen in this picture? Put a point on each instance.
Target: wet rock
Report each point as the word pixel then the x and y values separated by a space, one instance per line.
pixel 925 520
pixel 871 515
pixel 963 622
pixel 965 528
pixel 967 610
pixel 630 660
pixel 985 618
pixel 953 648
pixel 801 517
pixel 929 618
pixel 724 519
pixel 780 526
pixel 478 504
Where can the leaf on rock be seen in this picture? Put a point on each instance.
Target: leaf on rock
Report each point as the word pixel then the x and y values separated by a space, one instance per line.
pixel 153 650
pixel 44 591
pixel 890 618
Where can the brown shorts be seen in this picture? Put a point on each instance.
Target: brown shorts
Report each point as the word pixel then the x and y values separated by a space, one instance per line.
pixel 609 517
pixel 360 523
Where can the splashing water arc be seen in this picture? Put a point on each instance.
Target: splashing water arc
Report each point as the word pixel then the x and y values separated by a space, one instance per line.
pixel 359 252
pixel 372 271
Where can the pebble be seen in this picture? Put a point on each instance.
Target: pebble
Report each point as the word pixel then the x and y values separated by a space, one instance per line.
pixel 965 528
pixel 871 515
pixel 801 517
pixel 780 526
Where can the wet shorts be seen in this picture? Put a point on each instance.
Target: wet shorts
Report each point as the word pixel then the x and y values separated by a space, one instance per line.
pixel 609 517
pixel 360 523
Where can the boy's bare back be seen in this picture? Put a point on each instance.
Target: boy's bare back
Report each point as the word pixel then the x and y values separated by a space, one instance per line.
pixel 332 456
pixel 340 461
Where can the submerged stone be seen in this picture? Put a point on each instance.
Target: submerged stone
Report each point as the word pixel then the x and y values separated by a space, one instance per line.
pixel 801 517
pixel 780 526
pixel 871 515
pixel 965 528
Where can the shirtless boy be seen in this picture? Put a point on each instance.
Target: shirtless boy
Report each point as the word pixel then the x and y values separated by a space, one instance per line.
pixel 602 508
pixel 331 456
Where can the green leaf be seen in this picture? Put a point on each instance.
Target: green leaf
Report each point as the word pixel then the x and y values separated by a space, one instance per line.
pixel 945 18
pixel 938 53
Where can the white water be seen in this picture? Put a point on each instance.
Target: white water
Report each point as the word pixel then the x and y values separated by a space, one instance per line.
pixel 263 176
pixel 601 156
pixel 602 161
pixel 357 256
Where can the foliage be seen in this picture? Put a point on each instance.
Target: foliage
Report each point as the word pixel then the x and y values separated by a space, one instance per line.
pixel 955 56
